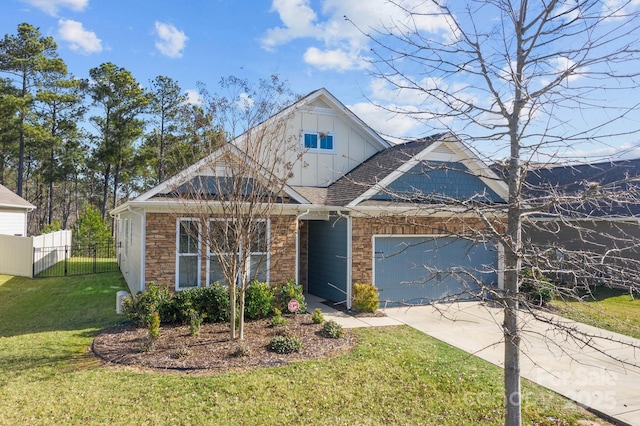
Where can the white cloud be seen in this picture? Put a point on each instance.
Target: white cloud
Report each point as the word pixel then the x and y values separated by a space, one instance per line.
pixel 391 125
pixel 79 39
pixel 171 40
pixel 339 38
pixel 336 59
pixel 51 7
pixel 193 97
pixel 299 21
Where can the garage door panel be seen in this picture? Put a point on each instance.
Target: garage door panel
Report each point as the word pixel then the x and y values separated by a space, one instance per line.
pixel 418 270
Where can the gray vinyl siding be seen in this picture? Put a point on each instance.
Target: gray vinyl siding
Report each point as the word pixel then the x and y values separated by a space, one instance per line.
pixel 435 181
pixel 328 258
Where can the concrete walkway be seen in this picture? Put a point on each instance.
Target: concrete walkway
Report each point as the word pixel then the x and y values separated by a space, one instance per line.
pixel 585 374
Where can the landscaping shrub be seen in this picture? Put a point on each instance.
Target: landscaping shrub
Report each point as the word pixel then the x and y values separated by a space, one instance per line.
pixel 283 293
pixel 139 308
pixel 154 326
pixel 195 321
pixel 182 304
pixel 242 350
pixel 365 297
pixel 332 329
pixel 214 302
pixel 285 345
pixel 278 320
pixel 317 317
pixel 535 287
pixel 258 300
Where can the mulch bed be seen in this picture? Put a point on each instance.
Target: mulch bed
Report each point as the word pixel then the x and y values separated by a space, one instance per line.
pixel 211 350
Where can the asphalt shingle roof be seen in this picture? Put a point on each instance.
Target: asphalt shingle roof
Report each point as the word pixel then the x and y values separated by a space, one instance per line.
pixel 599 189
pixel 373 170
pixel 9 198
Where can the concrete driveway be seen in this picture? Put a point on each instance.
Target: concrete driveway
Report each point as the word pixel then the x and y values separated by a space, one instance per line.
pixel 584 373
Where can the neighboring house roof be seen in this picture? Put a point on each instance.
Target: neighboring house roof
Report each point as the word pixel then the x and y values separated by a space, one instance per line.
pixel 598 190
pixel 11 200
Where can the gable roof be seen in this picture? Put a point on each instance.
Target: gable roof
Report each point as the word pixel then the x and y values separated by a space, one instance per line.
pixel 381 170
pixel 309 102
pixel 10 199
pixel 588 184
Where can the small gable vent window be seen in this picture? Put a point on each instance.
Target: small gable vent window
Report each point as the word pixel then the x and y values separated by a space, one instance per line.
pixel 318 141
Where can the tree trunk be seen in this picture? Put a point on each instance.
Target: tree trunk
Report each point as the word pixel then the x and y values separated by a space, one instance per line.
pixel 241 313
pixel 232 309
pixel 105 190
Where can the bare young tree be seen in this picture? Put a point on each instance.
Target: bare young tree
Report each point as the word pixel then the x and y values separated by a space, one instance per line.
pixel 234 193
pixel 526 81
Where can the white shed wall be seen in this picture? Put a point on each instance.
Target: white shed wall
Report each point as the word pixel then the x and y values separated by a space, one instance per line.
pixel 13 222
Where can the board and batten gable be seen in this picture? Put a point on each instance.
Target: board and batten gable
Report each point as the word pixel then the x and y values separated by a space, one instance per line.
pixel 351 144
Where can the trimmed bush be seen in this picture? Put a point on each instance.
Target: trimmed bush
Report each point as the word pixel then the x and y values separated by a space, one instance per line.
pixel 332 329
pixel 278 320
pixel 195 321
pixel 283 293
pixel 154 326
pixel 535 287
pixel 182 304
pixel 139 308
pixel 317 317
pixel 242 350
pixel 365 297
pixel 214 302
pixel 285 345
pixel 258 300
pixel 210 303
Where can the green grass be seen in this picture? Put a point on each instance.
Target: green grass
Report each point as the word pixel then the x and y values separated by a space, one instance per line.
pixel 395 376
pixel 81 265
pixel 612 309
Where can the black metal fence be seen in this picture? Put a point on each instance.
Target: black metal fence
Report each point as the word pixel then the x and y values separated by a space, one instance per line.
pixel 74 260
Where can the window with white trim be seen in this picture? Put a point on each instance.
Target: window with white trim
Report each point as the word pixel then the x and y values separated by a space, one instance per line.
pixel 187 254
pixel 318 141
pixel 224 243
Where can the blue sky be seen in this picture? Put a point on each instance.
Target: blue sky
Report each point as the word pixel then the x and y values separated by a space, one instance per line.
pixel 307 42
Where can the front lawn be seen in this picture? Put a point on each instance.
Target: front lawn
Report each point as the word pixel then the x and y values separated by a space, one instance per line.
pixel 609 308
pixel 394 376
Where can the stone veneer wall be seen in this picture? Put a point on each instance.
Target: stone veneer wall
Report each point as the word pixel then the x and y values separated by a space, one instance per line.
pixel 160 257
pixel 363 230
pixel 283 249
pixel 160 261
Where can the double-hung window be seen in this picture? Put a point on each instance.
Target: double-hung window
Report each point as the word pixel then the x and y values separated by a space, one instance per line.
pixel 188 254
pixel 318 141
pixel 225 247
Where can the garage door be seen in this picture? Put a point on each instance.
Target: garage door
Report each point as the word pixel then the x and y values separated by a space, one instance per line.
pixel 421 270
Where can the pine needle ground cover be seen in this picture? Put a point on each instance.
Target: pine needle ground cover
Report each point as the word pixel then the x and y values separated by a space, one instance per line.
pixel 394 375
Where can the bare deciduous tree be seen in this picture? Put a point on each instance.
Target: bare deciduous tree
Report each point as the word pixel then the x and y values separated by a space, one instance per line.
pixel 527 81
pixel 234 193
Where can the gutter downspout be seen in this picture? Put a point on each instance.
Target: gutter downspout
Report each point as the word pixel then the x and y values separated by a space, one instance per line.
pixel 298 217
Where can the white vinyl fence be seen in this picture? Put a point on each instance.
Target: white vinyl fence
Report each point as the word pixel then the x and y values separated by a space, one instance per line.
pixel 26 257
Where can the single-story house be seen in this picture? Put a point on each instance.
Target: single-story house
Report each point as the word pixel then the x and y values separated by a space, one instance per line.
pixel 355 208
pixel 590 225
pixel 13 213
